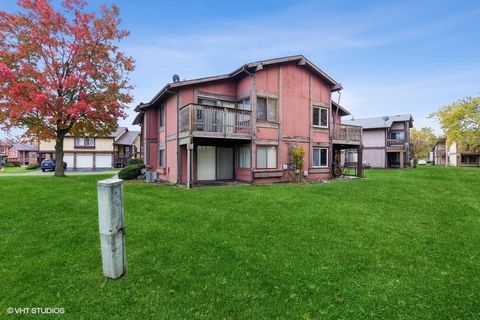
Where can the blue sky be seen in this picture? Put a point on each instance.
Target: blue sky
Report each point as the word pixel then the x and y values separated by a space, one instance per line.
pixel 391 57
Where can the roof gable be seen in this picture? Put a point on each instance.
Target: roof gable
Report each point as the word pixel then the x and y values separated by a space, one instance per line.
pixel 379 122
pixel 246 69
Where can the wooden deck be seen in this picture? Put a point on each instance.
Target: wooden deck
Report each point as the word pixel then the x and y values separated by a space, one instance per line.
pixel 196 120
pixel 347 134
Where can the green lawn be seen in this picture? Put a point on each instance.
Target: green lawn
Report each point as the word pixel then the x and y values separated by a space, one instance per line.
pixel 401 244
pixel 16 170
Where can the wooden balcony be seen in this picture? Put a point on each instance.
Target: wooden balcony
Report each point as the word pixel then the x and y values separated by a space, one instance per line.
pixel 347 134
pixel 214 122
pixel 396 144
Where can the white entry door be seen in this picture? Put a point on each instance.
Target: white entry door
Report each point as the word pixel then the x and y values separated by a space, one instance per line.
pixel 205 163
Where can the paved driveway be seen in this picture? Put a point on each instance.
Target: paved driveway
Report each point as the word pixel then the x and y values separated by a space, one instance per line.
pixel 67 172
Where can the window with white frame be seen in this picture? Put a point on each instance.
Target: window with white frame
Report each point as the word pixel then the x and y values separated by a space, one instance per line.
pixel 244 157
pixel 319 157
pixel 244 104
pixel 267 109
pixel 161 157
pixel 216 102
pixel 161 116
pixel 397 135
pixel 266 157
pixel 320 117
pixel 84 142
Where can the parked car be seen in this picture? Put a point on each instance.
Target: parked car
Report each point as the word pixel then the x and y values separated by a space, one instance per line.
pixel 50 165
pixel 422 162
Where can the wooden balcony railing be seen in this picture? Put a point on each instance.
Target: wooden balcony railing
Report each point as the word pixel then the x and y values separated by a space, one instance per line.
pixel 203 120
pixel 345 133
pixel 396 143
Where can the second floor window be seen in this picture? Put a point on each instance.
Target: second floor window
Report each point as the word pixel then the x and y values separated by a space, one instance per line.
pixel 267 109
pixel 161 116
pixel 216 102
pixel 84 142
pixel 244 104
pixel 397 135
pixel 320 117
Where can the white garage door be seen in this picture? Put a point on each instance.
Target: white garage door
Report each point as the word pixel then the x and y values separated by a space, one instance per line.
pixel 85 160
pixel 68 158
pixel 103 161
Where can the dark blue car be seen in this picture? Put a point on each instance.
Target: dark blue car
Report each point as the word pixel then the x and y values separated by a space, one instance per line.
pixel 50 165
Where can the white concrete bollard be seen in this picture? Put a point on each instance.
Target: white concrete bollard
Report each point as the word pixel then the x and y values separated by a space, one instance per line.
pixel 111 227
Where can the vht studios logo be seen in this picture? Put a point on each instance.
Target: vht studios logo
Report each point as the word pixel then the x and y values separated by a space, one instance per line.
pixel 36 310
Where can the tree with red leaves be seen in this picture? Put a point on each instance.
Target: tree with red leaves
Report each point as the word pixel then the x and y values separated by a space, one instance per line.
pixel 61 71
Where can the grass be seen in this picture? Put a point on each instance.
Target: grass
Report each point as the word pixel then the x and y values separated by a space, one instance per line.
pixel 401 244
pixel 16 170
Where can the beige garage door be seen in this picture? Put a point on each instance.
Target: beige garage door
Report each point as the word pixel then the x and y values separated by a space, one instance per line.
pixel 85 160
pixel 68 158
pixel 103 161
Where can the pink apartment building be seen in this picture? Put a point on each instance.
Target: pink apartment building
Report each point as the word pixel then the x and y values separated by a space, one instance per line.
pixel 239 126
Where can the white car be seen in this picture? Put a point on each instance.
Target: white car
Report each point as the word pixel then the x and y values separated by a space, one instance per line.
pixel 422 162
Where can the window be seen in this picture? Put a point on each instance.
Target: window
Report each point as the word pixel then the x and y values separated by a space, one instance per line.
pixel 320 117
pixel 469 159
pixel 266 157
pixel 351 156
pixel 243 157
pixel 161 158
pixel 161 116
pixel 228 104
pixel 244 104
pixel 209 102
pixel 320 157
pixel 84 142
pixel 216 102
pixel 266 109
pixel 397 135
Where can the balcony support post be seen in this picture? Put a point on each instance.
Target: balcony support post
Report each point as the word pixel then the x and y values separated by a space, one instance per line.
pixel 189 165
pixel 360 161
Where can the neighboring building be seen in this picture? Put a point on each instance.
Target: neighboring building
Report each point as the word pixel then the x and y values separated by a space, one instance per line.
pixel 4 145
pixel 23 153
pixel 127 146
pixel 439 152
pixel 454 156
pixel 95 152
pixel 386 140
pixel 239 126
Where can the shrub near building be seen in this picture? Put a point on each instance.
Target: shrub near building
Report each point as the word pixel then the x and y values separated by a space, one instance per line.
pixel 131 172
pixel 135 161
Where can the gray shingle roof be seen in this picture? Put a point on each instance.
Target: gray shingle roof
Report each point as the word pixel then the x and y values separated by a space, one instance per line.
pixel 378 122
pixel 117 132
pixel 128 138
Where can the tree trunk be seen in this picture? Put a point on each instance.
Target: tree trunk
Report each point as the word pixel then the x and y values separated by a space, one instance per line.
pixel 59 171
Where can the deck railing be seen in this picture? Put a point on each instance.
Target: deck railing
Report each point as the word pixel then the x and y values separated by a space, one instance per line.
pixel 396 143
pixel 347 133
pixel 197 117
